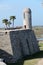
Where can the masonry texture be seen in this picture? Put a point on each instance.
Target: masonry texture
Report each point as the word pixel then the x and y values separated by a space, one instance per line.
pixel 16 44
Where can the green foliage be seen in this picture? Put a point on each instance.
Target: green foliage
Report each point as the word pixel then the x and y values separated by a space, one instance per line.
pixel 9 23
pixel 41 44
pixel 5 21
pixel 12 18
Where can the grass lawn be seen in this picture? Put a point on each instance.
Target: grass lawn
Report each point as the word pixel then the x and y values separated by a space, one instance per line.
pixel 31 60
pixel 41 46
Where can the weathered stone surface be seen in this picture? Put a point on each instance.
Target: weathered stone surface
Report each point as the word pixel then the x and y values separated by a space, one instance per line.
pixel 16 44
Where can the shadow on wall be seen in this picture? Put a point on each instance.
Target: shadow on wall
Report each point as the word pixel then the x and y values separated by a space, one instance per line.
pixel 4 55
pixel 21 62
pixel 37 55
pixel 18 47
pixel 15 43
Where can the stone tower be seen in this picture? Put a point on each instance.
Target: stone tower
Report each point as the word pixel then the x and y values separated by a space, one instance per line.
pixel 18 43
pixel 27 18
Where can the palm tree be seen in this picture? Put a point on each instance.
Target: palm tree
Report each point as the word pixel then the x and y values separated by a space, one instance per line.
pixel 12 18
pixel 9 23
pixel 5 21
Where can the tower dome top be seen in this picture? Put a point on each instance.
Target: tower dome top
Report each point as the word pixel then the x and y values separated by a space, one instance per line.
pixel 27 10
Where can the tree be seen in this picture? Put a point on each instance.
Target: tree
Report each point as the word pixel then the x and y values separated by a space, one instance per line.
pixel 5 21
pixel 12 18
pixel 9 23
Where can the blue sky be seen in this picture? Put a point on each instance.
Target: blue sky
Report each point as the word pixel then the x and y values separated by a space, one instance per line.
pixel 15 7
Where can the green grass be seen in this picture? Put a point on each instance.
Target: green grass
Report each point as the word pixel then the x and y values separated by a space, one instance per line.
pixel 41 44
pixel 38 31
pixel 31 60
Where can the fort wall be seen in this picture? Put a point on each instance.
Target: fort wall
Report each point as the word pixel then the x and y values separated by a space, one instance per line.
pixel 16 44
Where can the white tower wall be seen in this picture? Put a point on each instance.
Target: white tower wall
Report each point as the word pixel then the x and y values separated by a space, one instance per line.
pixel 27 19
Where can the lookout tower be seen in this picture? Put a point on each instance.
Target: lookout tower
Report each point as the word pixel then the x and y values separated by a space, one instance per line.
pixel 27 18
pixel 18 42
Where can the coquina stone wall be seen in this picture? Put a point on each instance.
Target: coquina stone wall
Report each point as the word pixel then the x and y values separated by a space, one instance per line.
pixel 16 44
